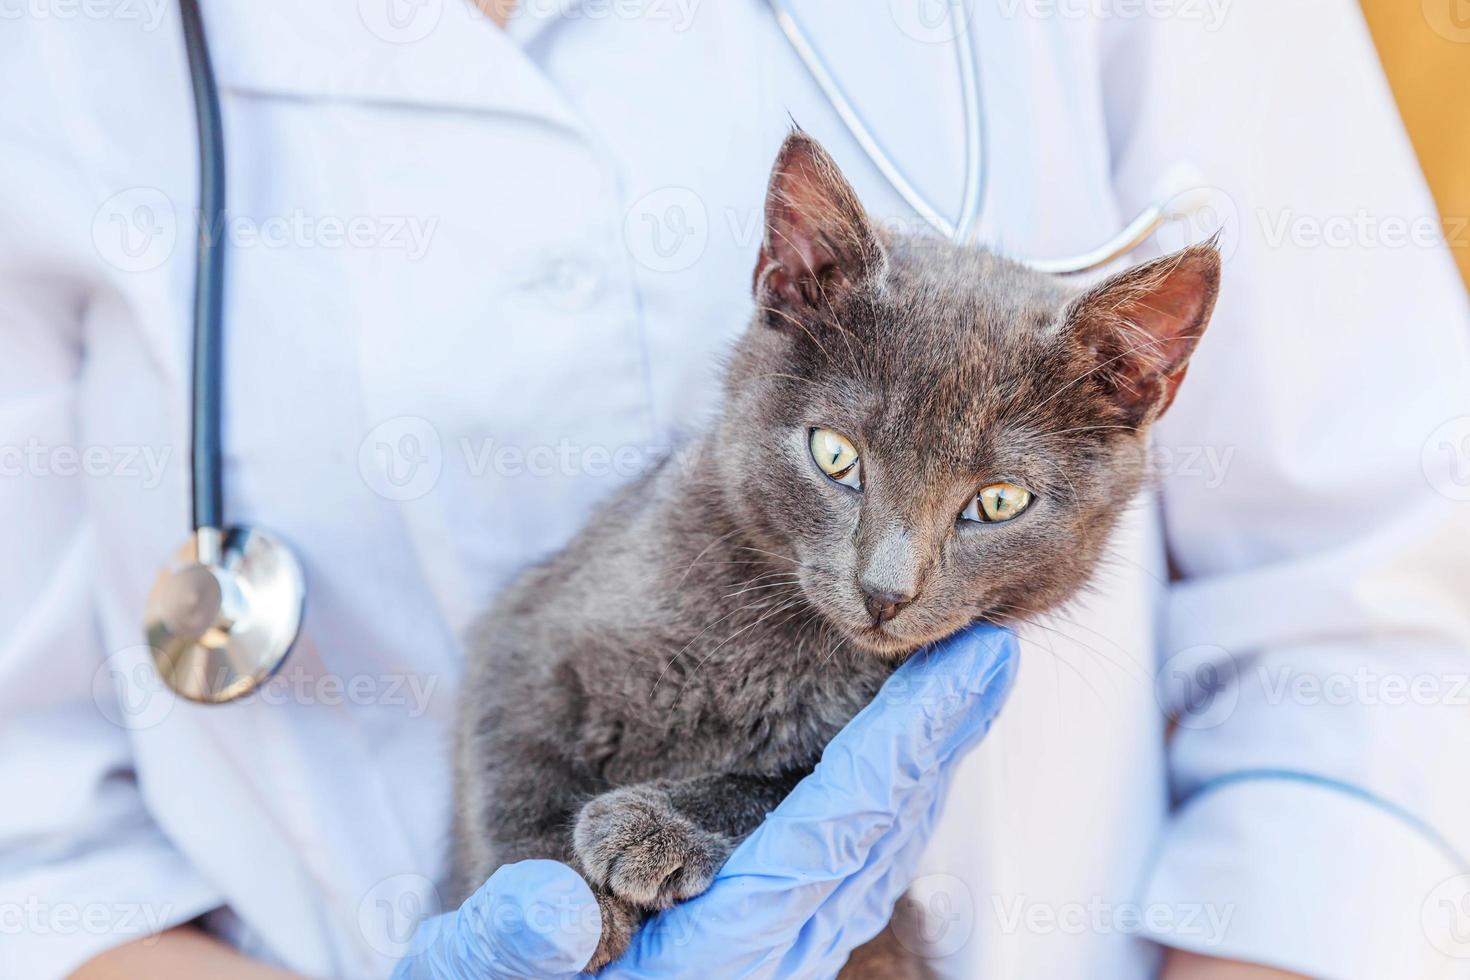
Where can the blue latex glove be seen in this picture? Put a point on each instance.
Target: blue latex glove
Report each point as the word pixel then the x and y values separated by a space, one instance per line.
pixel 530 919
pixel 817 879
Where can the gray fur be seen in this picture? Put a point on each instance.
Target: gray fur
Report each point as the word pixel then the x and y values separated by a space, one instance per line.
pixel 638 703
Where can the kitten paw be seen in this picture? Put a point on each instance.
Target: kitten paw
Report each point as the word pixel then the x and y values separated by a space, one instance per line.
pixel 633 843
pixel 619 922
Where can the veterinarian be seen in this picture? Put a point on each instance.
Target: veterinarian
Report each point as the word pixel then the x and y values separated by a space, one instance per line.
pixel 481 261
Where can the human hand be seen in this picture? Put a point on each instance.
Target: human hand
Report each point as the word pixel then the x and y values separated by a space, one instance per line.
pixel 816 880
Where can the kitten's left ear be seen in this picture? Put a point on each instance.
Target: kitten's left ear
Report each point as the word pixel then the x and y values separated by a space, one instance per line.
pixel 818 240
pixel 1142 325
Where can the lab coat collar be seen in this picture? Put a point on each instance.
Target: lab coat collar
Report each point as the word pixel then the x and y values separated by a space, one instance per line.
pixel 532 17
pixel 440 54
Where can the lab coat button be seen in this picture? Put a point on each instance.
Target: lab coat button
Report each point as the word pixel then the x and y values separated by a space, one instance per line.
pixel 573 279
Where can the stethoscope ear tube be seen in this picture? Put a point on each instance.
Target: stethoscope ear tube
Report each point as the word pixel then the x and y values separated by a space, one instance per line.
pixel 962 229
pixel 868 141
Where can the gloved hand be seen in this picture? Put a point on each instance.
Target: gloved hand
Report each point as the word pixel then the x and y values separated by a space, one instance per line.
pixel 816 880
pixel 821 875
pixel 530 919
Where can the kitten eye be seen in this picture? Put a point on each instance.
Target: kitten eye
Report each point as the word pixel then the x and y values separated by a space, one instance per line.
pixel 837 457
pixel 996 503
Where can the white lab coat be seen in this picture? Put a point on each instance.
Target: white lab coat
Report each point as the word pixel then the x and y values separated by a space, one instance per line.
pixel 479 279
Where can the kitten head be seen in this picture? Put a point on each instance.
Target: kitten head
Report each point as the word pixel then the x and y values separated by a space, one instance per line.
pixel 934 433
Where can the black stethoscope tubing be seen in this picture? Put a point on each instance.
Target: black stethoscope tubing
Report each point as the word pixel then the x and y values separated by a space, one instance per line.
pixel 209 283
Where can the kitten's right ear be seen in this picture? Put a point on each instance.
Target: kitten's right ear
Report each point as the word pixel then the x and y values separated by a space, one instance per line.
pixel 818 240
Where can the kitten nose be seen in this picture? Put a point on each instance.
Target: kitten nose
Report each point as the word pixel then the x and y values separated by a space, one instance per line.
pixel 883 606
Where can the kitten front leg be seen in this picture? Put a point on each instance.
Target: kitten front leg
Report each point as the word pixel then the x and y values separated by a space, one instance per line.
pixel 620 921
pixel 640 855
pixel 647 846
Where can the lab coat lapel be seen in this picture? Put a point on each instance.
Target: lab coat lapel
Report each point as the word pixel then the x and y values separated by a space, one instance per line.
pixel 438 54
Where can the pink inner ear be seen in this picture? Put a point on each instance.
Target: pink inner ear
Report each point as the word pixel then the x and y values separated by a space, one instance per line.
pixel 817 237
pixel 800 280
pixel 801 263
pixel 804 209
pixel 1145 324
pixel 1167 321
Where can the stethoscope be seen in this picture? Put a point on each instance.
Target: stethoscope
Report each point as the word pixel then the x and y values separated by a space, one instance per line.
pixel 1178 196
pixel 224 613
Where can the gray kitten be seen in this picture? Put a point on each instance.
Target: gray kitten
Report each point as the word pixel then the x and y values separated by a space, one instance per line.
pixel 914 436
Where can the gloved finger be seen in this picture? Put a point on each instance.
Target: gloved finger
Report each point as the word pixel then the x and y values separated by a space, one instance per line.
pixel 858 907
pixel 876 785
pixel 532 918
pixel 937 706
pixel 889 869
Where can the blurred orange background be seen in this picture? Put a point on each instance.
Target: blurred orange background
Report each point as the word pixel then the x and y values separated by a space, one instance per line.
pixel 1425 49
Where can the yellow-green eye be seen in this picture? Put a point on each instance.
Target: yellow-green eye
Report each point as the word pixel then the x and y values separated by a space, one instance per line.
pixel 997 502
pixel 837 457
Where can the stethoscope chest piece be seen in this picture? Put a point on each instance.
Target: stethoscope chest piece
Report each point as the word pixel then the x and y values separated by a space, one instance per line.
pixel 224 613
